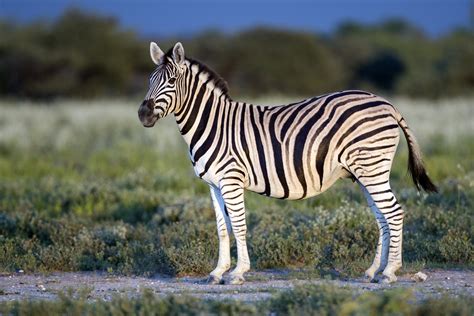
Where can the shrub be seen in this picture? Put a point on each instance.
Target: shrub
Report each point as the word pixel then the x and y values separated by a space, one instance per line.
pixel 303 300
pixel 456 246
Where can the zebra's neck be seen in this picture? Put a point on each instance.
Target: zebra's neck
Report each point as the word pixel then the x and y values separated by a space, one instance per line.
pixel 204 109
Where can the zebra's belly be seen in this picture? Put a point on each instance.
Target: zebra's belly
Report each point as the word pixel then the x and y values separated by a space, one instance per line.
pixel 295 191
pixel 296 194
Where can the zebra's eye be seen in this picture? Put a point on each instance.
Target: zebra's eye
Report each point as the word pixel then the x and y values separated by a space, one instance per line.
pixel 171 80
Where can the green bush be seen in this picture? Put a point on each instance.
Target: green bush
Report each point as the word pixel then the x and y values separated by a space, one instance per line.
pixel 457 246
pixel 309 300
pixel 303 300
pixel 284 240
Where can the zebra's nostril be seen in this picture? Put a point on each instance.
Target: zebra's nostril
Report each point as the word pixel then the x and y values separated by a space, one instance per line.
pixel 142 112
pixel 150 104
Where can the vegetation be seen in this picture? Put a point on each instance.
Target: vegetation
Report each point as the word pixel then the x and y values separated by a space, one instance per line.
pixel 83 186
pixel 303 300
pixel 86 187
pixel 82 55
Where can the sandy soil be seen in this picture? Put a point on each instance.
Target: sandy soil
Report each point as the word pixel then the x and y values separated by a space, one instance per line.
pixel 259 285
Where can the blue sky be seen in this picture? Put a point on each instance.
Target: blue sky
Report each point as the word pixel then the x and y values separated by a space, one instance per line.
pixel 185 17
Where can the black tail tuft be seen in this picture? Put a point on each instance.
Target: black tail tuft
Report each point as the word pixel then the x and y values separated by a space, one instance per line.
pixel 418 173
pixel 415 163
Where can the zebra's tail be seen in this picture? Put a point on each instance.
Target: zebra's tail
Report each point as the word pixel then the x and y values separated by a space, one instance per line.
pixel 415 162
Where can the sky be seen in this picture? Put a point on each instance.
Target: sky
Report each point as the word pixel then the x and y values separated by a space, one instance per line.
pixel 188 17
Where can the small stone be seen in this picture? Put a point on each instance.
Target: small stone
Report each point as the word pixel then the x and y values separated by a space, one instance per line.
pixel 419 277
pixel 41 287
pixel 20 271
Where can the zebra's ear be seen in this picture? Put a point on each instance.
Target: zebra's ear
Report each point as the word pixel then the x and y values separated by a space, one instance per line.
pixel 156 53
pixel 178 53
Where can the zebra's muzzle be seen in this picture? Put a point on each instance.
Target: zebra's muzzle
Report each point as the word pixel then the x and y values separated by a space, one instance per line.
pixel 146 113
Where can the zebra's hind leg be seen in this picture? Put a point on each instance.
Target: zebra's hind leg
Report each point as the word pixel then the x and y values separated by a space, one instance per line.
pixel 393 213
pixel 375 179
pixel 381 253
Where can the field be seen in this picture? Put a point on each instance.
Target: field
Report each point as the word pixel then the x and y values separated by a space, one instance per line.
pixel 84 187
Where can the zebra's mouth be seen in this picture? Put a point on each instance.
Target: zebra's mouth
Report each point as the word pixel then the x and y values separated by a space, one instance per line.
pixel 148 124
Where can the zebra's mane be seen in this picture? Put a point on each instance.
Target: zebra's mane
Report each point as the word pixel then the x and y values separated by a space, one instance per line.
pixel 218 81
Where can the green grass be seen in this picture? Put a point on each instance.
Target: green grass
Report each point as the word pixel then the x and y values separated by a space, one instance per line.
pixel 303 300
pixel 86 187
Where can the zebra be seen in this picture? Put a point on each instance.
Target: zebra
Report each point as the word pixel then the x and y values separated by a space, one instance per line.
pixel 292 151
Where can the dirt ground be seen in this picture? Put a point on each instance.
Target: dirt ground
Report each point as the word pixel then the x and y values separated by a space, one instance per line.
pixel 259 285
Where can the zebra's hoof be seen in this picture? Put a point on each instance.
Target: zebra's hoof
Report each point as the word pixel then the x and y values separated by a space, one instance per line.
pixel 213 280
pixel 370 279
pixel 388 279
pixel 236 280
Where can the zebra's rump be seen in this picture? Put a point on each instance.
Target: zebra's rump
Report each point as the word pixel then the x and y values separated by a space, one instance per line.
pixel 303 148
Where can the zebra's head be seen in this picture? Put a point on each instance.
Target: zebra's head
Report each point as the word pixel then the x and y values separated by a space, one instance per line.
pixel 163 96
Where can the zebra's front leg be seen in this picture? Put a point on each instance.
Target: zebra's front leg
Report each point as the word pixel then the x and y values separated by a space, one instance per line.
pixel 223 228
pixel 233 194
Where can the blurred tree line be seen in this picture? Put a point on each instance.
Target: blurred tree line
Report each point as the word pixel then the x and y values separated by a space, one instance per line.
pixel 84 55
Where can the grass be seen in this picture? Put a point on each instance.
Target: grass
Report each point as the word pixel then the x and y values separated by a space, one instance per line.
pixel 303 300
pixel 86 187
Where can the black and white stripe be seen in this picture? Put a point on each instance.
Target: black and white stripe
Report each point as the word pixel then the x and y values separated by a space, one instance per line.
pixel 292 151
